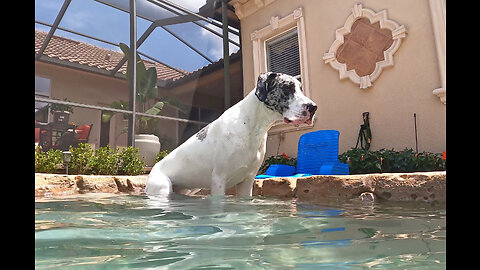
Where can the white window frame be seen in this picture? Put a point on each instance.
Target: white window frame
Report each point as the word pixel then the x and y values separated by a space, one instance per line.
pixel 277 27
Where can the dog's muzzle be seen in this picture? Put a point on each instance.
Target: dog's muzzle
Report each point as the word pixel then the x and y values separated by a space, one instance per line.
pixel 306 115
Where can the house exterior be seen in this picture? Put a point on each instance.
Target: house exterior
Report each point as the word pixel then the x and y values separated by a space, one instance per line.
pixel 385 57
pixel 81 73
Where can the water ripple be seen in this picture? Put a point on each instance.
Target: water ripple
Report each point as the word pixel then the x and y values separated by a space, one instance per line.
pixel 116 232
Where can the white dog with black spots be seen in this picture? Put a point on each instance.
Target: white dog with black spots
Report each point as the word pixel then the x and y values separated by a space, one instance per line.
pixel 230 150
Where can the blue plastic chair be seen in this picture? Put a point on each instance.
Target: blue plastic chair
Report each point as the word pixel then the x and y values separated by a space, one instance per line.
pixel 317 155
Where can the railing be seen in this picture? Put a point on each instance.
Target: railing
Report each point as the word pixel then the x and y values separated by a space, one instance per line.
pixel 94 107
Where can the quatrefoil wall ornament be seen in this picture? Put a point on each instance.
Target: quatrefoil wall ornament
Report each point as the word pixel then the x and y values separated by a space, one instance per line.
pixel 364 45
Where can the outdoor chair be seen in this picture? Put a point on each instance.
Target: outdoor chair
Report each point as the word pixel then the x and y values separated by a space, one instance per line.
pixel 45 139
pixel 37 135
pixel 81 134
pixel 63 143
pixel 317 155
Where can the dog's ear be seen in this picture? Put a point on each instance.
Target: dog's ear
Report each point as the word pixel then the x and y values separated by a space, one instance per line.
pixel 263 83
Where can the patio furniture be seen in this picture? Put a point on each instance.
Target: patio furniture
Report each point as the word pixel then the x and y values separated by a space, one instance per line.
pixel 37 135
pixel 50 134
pixel 276 170
pixel 82 133
pixel 317 155
pixel 65 141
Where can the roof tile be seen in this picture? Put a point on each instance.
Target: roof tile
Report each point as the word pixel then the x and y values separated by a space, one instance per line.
pixel 93 56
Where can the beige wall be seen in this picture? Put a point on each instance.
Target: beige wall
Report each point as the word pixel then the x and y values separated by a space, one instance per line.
pixel 88 88
pixel 399 92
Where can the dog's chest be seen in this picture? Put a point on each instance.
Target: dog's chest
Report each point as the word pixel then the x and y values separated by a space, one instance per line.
pixel 246 161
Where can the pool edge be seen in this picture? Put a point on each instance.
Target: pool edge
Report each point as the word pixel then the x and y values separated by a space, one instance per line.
pixel 418 186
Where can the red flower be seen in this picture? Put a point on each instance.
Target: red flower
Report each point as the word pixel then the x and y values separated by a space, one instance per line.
pixel 361 158
pixel 444 155
pixel 284 155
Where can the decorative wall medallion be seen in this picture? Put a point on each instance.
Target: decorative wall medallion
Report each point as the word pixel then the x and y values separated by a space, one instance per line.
pixel 364 45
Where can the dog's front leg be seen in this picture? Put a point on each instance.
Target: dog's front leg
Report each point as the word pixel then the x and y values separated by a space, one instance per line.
pixel 218 185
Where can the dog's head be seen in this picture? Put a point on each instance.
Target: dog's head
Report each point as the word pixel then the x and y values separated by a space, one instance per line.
pixel 283 94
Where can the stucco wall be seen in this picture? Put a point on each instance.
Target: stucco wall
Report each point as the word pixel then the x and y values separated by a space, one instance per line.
pixel 399 92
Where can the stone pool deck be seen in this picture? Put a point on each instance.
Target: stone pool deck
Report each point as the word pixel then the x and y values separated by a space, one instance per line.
pixel 421 186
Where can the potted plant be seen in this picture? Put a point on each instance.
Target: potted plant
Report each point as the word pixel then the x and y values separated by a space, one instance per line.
pixel 61 112
pixel 146 96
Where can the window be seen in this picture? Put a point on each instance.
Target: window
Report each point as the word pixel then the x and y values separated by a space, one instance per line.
pixel 281 46
pixel 283 54
pixel 42 89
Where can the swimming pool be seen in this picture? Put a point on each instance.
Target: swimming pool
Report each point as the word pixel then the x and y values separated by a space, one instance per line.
pixel 108 231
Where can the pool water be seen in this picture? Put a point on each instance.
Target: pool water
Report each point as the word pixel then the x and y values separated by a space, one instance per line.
pixel 109 231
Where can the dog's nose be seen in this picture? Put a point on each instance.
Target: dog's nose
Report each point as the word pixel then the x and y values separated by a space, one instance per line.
pixel 311 108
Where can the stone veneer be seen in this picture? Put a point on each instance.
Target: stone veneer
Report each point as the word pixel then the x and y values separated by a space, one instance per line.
pixel 422 186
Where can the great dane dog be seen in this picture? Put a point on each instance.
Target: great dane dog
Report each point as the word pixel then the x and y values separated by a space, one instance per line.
pixel 230 150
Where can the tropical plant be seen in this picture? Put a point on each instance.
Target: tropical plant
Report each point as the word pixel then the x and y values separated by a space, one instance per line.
pixel 146 94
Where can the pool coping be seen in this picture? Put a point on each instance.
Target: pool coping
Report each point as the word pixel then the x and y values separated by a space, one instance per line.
pixel 419 186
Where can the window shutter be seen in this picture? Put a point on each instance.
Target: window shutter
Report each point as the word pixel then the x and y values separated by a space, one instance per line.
pixel 283 55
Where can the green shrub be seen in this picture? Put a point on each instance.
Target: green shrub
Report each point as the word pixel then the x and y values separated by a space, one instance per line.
pixel 39 159
pixel 105 161
pixel 385 160
pixel 161 155
pixel 278 159
pixel 82 159
pixel 361 161
pixel 47 162
pixel 130 163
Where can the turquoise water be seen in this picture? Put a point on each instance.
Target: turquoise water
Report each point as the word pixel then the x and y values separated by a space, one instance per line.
pixel 107 231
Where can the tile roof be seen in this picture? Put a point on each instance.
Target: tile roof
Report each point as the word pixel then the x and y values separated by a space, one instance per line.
pixel 86 54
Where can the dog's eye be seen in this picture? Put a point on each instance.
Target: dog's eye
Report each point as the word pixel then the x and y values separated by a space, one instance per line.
pixel 289 88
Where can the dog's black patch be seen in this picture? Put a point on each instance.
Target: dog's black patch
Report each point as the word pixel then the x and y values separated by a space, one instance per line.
pixel 202 134
pixel 275 91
